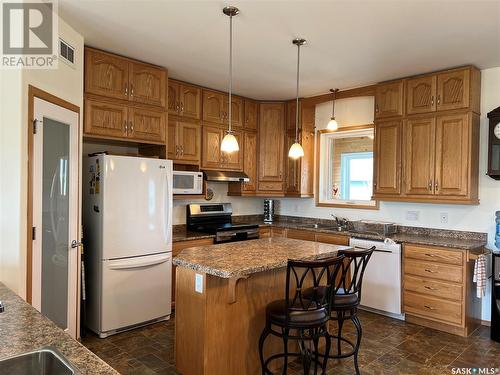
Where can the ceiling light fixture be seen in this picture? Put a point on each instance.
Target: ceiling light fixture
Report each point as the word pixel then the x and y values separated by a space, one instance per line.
pixel 230 143
pixel 296 150
pixel 332 124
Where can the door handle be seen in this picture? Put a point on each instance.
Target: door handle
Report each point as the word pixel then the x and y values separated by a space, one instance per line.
pixel 430 185
pixel 131 127
pixel 131 89
pixel 125 126
pixel 126 89
pixel 75 244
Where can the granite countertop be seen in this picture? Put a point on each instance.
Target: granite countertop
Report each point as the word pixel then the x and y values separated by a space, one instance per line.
pixel 237 259
pixel 419 236
pixel 24 329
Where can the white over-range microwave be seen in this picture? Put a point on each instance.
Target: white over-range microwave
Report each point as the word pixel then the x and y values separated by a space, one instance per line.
pixel 187 182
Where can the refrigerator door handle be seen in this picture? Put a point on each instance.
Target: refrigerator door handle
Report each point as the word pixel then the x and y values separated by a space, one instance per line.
pixel 130 263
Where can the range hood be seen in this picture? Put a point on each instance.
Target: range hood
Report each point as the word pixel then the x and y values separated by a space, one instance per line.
pixel 226 176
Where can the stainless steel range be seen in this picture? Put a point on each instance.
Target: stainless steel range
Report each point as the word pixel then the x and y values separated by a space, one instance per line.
pixel 216 218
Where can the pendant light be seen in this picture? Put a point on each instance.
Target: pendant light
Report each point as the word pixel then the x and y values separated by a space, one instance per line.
pixel 229 143
pixel 296 151
pixel 332 124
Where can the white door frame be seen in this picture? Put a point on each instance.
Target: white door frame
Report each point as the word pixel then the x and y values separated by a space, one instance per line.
pixel 52 109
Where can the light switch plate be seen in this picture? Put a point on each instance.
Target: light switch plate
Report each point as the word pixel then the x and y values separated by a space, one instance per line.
pixel 412 215
pixel 198 283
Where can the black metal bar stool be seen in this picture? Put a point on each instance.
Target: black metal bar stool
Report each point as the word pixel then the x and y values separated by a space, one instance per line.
pixel 347 299
pixel 300 319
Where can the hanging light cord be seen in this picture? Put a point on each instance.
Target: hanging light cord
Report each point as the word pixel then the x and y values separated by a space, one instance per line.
pixel 297 99
pixel 230 69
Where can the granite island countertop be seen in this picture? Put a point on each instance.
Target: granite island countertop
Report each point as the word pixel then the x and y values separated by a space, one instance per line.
pixel 24 329
pixel 238 259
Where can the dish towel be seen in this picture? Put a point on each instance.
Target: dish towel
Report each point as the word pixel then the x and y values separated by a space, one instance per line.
pixel 480 276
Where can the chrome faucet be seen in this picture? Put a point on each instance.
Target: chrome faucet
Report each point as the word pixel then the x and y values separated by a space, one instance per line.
pixel 341 223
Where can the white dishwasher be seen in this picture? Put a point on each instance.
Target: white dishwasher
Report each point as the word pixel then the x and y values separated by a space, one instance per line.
pixel 381 289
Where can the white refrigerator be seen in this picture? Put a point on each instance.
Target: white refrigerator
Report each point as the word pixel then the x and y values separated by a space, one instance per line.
pixel 127 242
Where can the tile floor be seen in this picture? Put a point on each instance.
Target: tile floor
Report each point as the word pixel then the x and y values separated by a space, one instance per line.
pixel 389 346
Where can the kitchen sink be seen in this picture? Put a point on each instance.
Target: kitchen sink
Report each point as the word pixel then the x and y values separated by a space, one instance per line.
pixel 323 226
pixel 45 361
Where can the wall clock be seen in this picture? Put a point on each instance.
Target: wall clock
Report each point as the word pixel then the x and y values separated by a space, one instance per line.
pixel 494 144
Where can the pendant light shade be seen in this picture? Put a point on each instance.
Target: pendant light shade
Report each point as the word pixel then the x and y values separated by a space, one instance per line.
pixel 296 151
pixel 230 143
pixel 332 124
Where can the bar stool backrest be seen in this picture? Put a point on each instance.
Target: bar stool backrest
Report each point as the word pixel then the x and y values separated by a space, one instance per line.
pixel 355 263
pixel 303 274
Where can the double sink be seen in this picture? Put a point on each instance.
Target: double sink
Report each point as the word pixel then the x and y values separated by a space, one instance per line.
pixel 45 361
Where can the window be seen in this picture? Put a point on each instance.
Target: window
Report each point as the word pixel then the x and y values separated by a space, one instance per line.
pixel 345 168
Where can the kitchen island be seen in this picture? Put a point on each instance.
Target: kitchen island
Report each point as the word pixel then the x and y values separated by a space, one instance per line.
pixel 221 295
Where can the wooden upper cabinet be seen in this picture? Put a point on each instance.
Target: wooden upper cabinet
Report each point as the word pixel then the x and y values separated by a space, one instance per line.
pixel 291 115
pixel 419 140
pixel 292 178
pixel 189 141
pixel 421 94
pixel 172 148
pixel 250 160
pixel 184 142
pixel 147 125
pixel 190 103
pixel 251 114
pixel 213 106
pixel 174 97
pixel 452 155
pixel 105 119
pixel 211 153
pixel 388 157
pixel 271 145
pixel 237 111
pixel 389 99
pixel 106 74
pixel 147 84
pixel 453 89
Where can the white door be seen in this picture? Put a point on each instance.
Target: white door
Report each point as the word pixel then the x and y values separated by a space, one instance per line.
pixel 137 203
pixel 56 214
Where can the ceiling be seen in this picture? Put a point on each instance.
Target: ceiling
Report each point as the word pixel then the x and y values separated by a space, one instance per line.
pixel 350 43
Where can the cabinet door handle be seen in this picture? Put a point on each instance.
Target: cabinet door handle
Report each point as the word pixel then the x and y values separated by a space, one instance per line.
pixel 439 99
pixel 429 255
pixel 429 287
pixel 436 186
pixel 177 107
pixel 430 185
pixel 376 108
pixel 430 271
pixel 432 101
pixel 429 307
pixel 131 89
pixel 182 107
pixel 125 126
pixel 182 150
pixel 131 127
pixel 126 89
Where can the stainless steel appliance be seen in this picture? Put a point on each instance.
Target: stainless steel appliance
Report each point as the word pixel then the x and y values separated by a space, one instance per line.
pixel 268 210
pixel 186 182
pixel 495 298
pixel 216 218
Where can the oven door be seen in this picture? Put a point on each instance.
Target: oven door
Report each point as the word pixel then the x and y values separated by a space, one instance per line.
pixel 187 182
pixel 236 235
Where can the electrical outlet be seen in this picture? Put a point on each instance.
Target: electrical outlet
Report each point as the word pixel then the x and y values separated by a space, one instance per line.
pixel 443 216
pixel 198 283
pixel 412 215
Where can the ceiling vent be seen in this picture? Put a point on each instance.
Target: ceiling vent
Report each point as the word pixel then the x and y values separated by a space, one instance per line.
pixel 66 52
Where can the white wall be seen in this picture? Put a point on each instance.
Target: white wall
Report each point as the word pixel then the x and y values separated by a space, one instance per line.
pixel 480 218
pixel 66 83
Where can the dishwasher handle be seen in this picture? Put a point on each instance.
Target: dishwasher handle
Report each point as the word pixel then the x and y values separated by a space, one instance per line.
pixel 375 251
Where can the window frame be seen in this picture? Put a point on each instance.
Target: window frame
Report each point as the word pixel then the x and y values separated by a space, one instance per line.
pixel 367 205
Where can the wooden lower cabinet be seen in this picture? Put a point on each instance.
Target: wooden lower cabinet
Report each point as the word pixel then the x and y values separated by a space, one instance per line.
pixel 177 247
pixel 438 290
